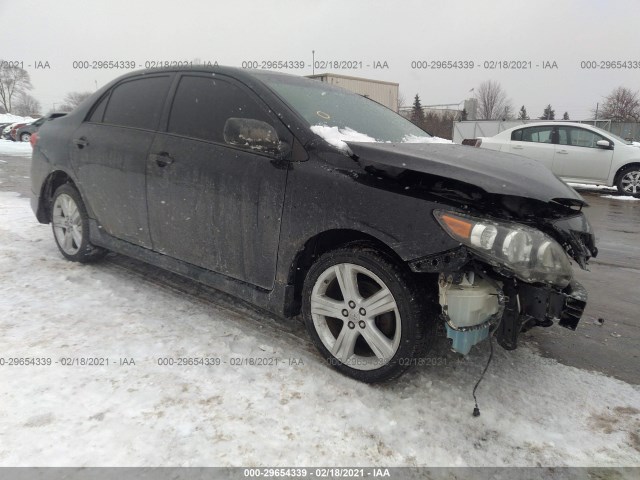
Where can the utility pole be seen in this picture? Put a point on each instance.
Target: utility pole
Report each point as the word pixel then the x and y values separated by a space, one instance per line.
pixel 313 63
pixel 596 119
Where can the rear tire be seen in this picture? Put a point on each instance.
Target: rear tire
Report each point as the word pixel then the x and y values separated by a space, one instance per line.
pixel 628 182
pixel 70 225
pixel 366 313
pixel 25 137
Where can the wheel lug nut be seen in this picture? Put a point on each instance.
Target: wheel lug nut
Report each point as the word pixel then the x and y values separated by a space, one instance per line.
pixel 361 323
pixel 351 325
pixel 363 311
pixel 345 313
pixel 352 304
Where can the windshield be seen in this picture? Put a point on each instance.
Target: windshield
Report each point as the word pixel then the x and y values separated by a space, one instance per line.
pixel 326 107
pixel 615 137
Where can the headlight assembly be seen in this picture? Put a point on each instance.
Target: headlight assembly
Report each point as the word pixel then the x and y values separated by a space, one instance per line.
pixel 530 254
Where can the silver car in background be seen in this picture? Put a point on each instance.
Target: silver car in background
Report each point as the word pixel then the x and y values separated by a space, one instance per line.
pixel 575 152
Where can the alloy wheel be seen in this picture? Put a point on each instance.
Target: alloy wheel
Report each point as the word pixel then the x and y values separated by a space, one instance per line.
pixel 630 182
pixel 67 224
pixel 356 316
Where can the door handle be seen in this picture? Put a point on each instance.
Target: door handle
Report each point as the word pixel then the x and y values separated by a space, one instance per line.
pixel 564 152
pixel 81 142
pixel 162 159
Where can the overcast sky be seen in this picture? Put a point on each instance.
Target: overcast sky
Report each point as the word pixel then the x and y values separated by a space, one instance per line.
pixel 397 32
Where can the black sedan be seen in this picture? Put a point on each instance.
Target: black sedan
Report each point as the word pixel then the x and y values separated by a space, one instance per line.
pixel 304 198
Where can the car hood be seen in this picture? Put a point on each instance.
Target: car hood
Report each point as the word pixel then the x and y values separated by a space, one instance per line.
pixel 495 172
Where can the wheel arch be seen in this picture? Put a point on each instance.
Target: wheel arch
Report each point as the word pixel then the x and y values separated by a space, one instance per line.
pixel 321 243
pixel 616 177
pixel 54 180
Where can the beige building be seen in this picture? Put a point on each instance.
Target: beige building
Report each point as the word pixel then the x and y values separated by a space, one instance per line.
pixel 385 93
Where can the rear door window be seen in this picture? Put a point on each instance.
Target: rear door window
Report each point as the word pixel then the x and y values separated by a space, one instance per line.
pixel 137 103
pixel 537 134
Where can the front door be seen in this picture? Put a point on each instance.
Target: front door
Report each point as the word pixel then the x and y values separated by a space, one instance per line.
pixel 579 158
pixel 212 204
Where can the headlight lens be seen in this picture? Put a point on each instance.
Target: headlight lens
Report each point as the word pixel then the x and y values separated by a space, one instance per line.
pixel 530 254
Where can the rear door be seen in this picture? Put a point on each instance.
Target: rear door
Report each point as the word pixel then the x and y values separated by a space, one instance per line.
pixel 213 204
pixel 535 143
pixel 109 154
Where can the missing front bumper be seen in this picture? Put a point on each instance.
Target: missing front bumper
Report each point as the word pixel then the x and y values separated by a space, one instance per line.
pixel 530 306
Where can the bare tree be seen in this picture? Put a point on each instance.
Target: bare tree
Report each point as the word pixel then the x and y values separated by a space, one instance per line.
pixel 440 124
pixel 507 112
pixel 621 105
pixel 401 101
pixel 73 99
pixel 13 81
pixel 493 103
pixel 25 105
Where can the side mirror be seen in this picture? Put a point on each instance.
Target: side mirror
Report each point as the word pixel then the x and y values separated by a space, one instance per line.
pixel 606 144
pixel 253 134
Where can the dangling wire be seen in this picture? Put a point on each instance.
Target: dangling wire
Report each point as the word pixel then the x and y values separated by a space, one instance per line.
pixel 476 410
pixel 502 301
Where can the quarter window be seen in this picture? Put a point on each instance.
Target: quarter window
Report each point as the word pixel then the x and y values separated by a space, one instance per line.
pixel 98 110
pixel 202 105
pixel 517 135
pixel 137 103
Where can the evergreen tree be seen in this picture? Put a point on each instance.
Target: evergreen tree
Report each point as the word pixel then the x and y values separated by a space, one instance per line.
pixel 417 114
pixel 463 115
pixel 549 113
pixel 522 115
pixel 565 116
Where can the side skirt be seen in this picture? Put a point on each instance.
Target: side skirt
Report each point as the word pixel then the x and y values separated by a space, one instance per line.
pixel 276 301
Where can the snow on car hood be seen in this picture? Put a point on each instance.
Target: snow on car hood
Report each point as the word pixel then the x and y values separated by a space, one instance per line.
pixel 494 172
pixel 338 137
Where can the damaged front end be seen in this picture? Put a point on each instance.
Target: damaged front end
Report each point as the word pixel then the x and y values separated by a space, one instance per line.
pixel 519 228
pixel 509 276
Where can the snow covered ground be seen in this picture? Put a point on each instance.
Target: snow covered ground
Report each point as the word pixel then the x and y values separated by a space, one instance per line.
pixel 9 117
pixel 19 149
pixel 534 410
pixel 622 197
pixel 592 187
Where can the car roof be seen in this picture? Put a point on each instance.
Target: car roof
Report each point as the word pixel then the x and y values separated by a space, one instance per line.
pixel 543 124
pixel 239 73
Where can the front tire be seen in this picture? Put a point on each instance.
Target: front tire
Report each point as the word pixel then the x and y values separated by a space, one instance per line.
pixel 366 314
pixel 70 224
pixel 25 137
pixel 629 180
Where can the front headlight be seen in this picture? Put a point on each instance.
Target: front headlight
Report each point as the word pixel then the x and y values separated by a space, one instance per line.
pixel 530 254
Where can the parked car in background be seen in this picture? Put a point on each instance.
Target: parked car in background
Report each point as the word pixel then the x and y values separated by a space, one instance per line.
pixel 302 197
pixel 14 130
pixel 6 132
pixel 576 152
pixel 24 133
pixel 3 126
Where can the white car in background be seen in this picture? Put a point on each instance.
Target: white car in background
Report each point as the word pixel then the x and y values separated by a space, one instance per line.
pixel 575 152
